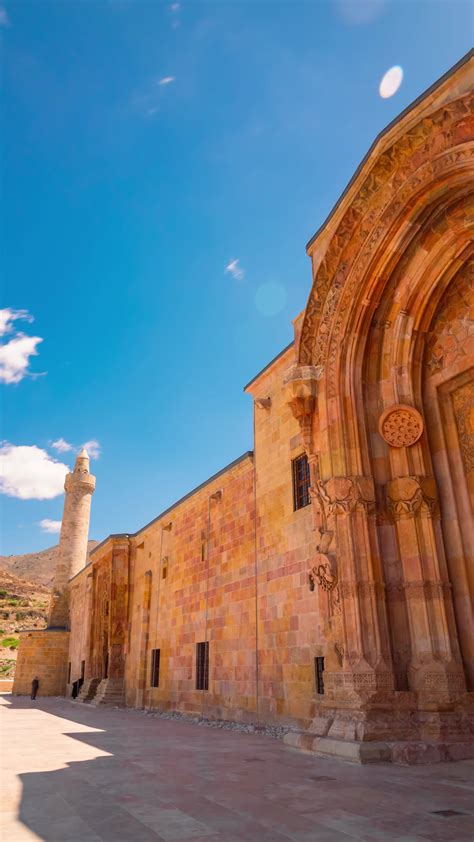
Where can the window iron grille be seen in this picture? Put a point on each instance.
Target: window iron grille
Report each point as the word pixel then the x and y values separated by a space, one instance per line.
pixel 319 670
pixel 155 667
pixel 301 482
pixel 202 666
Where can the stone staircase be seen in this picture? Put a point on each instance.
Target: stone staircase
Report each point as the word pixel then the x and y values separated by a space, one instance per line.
pixel 88 690
pixel 110 691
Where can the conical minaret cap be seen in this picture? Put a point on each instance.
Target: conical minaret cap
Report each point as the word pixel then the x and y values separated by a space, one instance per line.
pixel 82 462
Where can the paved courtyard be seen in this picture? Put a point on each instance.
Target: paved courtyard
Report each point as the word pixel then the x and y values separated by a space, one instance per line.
pixel 75 772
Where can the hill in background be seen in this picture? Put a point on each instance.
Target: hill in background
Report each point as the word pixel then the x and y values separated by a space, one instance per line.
pixel 23 605
pixel 25 587
pixel 37 568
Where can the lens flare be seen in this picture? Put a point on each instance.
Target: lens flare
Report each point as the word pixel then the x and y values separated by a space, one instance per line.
pixel 270 298
pixel 358 12
pixel 391 82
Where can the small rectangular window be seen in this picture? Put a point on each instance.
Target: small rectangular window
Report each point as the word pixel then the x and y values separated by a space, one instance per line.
pixel 202 666
pixel 155 667
pixel 164 571
pixel 301 482
pixel 318 671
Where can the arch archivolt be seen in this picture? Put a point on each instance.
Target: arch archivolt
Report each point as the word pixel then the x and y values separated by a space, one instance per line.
pixel 420 158
pixel 395 286
pixel 401 241
pixel 384 355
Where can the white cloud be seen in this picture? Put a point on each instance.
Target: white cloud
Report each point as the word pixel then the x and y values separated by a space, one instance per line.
pixel 4 19
pixel 234 269
pixel 391 82
pixel 166 80
pixel 15 357
pixel 29 473
pixel 15 354
pixel 175 7
pixel 62 446
pixel 92 447
pixel 48 525
pixel 8 316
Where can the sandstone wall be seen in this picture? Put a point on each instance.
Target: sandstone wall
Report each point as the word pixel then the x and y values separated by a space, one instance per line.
pixel 80 617
pixel 191 579
pixel 289 636
pixel 44 655
pixel 208 593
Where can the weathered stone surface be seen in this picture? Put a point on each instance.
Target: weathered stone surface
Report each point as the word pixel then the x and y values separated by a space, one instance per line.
pixel 43 654
pixel 375 573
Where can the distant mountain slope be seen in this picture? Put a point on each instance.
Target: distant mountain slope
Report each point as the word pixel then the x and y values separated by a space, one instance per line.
pixel 23 605
pixel 17 588
pixel 37 568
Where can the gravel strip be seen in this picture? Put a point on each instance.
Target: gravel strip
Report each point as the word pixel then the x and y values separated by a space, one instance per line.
pixel 276 731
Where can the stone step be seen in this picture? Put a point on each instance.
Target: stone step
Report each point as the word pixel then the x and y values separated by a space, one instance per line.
pixel 109 692
pixel 88 690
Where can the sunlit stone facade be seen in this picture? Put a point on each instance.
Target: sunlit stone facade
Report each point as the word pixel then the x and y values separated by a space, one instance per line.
pixel 375 575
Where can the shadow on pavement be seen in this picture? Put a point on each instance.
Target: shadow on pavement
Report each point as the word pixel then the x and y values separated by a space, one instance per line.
pixel 103 774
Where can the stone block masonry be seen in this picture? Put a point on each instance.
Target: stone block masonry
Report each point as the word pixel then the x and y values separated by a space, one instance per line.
pixel 44 655
pixel 323 582
pixel 79 487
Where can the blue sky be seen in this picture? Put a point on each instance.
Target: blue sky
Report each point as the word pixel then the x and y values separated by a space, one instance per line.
pixel 124 200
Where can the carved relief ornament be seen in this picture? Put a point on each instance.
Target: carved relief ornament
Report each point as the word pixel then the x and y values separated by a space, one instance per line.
pixel 365 220
pixel 300 384
pixel 324 572
pixel 401 425
pixel 408 496
pixel 346 494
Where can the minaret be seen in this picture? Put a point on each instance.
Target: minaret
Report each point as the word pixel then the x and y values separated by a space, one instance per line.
pixel 79 487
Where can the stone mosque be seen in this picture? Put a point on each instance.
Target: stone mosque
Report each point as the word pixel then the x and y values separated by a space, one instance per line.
pixel 324 580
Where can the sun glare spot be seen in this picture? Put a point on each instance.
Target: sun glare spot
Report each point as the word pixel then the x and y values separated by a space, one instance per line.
pixel 359 12
pixel 270 299
pixel 391 82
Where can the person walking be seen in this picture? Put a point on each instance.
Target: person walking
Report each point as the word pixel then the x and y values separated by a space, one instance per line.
pixel 34 688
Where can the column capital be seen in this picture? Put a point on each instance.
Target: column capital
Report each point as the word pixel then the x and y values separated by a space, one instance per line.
pixel 411 495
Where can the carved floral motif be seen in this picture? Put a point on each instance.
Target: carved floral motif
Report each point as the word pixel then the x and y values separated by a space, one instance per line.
pixel 324 572
pixel 401 426
pixel 408 496
pixel 346 494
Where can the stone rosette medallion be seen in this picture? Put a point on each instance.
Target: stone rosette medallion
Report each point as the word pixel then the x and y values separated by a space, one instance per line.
pixel 401 425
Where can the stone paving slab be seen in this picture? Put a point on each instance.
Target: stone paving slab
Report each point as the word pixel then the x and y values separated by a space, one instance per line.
pixel 73 772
